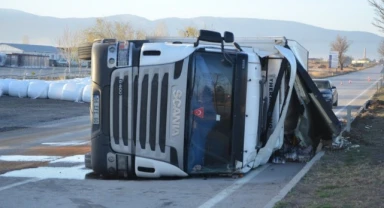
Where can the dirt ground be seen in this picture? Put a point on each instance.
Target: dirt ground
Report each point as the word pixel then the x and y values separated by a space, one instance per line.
pixel 9 166
pixel 351 177
pixel 16 113
pixel 319 69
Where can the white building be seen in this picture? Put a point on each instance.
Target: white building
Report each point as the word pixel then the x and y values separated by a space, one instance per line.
pixel 25 55
pixel 361 61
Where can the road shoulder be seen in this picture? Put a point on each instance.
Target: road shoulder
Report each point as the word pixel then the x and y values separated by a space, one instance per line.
pixel 348 177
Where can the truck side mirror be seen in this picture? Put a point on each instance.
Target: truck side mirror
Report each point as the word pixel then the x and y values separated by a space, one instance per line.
pixel 228 37
pixel 209 36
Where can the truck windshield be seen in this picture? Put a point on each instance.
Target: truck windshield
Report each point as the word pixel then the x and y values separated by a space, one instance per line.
pixel 210 128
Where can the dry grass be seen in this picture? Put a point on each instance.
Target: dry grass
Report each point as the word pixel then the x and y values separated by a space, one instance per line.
pixel 58 151
pixel 319 69
pixel 9 166
pixel 329 72
pixel 352 177
pixel 65 151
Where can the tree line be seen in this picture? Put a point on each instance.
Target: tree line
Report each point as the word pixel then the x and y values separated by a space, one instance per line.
pixel 69 40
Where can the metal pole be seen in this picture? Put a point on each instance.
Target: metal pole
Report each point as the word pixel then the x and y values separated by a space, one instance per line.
pixel 349 118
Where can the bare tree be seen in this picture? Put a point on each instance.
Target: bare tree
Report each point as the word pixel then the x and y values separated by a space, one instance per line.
pixel 379 21
pixel 161 30
pixel 380 50
pixel 348 60
pixel 68 43
pixel 101 29
pixel 108 29
pixel 208 27
pixel 189 31
pixel 379 9
pixel 341 45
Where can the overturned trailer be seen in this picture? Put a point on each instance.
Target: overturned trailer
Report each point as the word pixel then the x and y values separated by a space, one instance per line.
pixel 166 107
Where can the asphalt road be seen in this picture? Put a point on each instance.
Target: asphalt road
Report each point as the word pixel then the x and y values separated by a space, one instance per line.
pixel 62 182
pixel 356 88
pixel 64 179
pixel 72 132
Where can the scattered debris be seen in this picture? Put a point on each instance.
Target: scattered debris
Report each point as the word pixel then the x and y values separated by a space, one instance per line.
pixel 293 153
pixel 353 147
pixel 340 143
pixel 342 120
pixel 278 160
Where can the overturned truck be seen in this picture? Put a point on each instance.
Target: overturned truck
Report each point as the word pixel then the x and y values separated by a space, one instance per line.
pixel 168 107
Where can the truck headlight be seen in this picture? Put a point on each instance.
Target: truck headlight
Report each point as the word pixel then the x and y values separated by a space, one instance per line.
pixel 96 110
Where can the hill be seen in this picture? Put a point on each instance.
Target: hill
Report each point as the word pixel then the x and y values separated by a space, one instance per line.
pixel 44 30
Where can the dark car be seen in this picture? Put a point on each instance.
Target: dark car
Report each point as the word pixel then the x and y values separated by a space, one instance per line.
pixel 62 63
pixel 328 91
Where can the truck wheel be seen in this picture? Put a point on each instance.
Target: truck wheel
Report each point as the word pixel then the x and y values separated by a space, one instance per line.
pixel 85 51
pixel 88 161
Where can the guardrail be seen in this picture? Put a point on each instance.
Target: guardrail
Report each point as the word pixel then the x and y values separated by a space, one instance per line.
pixel 350 119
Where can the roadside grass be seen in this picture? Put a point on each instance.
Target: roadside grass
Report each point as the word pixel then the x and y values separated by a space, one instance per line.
pixel 324 73
pixel 352 177
pixel 316 72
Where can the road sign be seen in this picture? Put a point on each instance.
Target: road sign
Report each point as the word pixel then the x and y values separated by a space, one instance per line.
pixel 333 59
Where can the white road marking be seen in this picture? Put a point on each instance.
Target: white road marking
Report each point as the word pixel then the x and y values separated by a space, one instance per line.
pixel 26 158
pixel 71 143
pixel 77 172
pixel 337 112
pixel 232 188
pixel 19 183
pixel 50 159
pixel 71 159
pixel 283 192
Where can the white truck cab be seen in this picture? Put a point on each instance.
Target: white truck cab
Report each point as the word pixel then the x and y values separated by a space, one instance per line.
pixel 170 107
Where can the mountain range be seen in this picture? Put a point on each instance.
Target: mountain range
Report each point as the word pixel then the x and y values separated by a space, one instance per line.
pixel 45 30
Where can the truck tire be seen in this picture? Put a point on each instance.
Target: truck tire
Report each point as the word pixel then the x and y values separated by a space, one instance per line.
pixel 85 51
pixel 88 161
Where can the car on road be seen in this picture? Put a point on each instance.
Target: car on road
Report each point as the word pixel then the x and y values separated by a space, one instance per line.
pixel 62 63
pixel 328 91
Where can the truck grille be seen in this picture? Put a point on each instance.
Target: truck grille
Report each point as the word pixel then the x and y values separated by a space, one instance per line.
pixel 141 111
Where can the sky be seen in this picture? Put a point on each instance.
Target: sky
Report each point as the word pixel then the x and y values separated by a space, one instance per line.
pixel 350 15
